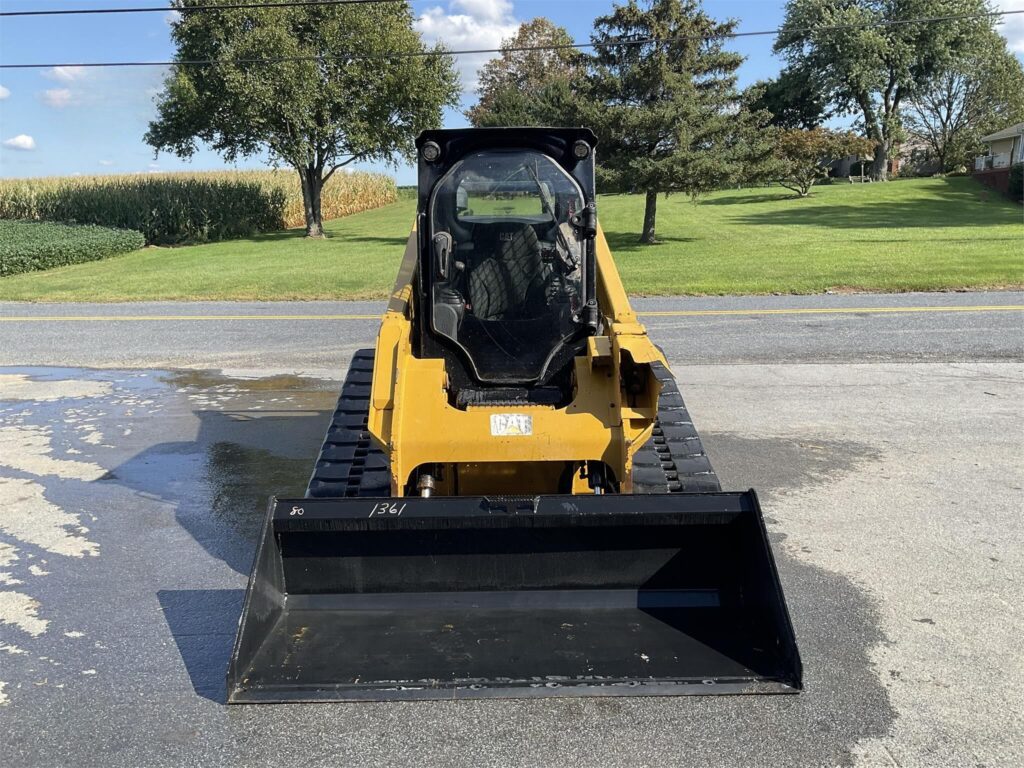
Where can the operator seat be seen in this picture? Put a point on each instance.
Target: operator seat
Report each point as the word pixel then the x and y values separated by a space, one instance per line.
pixel 510 283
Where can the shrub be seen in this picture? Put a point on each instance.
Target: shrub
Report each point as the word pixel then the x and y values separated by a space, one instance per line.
pixel 802 158
pixel 171 209
pixel 1016 190
pixel 30 245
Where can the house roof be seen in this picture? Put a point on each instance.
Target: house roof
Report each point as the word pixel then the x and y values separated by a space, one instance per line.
pixel 1007 133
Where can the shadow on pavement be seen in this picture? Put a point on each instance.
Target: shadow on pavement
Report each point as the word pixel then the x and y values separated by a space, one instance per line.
pixel 203 624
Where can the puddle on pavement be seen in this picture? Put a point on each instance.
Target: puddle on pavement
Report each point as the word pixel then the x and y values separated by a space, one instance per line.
pixel 259 438
pixel 213 447
pixel 108 475
pixel 200 380
pixel 255 438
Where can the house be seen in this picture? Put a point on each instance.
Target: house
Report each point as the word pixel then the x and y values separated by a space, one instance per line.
pixel 913 157
pixel 1005 148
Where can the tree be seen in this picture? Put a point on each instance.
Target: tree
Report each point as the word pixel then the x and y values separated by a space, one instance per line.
pixel 869 65
pixel 792 100
pixel 804 156
pixel 554 103
pixel 341 101
pixel 511 83
pixel 974 96
pixel 668 114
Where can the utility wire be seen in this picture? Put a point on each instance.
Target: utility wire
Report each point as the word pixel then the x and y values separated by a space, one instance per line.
pixel 193 8
pixel 516 49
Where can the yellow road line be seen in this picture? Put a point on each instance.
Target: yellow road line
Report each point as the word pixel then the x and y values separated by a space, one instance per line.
pixel 667 313
pixel 831 310
pixel 175 318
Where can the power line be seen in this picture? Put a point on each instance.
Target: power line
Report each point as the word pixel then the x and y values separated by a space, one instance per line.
pixel 515 49
pixel 194 8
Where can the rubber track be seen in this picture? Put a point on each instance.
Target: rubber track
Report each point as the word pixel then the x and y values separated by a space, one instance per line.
pixel 672 461
pixel 349 464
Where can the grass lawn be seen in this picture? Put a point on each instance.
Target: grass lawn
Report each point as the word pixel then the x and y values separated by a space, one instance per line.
pixel 922 234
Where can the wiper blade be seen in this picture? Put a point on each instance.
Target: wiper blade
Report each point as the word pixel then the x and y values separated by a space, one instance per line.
pixel 568 257
pixel 545 202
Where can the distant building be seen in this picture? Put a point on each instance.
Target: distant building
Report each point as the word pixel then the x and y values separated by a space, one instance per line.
pixel 841 168
pixel 912 157
pixel 1005 149
pixel 915 157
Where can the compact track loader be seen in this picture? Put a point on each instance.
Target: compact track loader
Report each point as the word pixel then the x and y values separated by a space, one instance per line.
pixel 511 499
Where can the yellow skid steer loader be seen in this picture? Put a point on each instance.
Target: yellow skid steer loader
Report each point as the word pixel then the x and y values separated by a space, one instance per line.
pixel 511 499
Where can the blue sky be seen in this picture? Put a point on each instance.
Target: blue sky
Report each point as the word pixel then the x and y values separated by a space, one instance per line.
pixel 66 121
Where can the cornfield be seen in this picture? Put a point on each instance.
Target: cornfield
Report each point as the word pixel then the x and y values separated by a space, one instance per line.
pixel 176 208
pixel 343 195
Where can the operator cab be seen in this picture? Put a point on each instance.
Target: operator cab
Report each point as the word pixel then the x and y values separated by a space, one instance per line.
pixel 509 231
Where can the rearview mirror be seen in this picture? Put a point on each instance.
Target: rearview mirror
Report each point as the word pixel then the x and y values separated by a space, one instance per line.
pixel 443 254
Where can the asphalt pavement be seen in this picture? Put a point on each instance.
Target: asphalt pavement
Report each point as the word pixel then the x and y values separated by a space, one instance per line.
pixel 884 433
pixel 314 337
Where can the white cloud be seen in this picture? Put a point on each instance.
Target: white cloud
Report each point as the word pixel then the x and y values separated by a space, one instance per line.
pixel 1012 27
pixel 4 93
pixel 106 163
pixel 469 24
pixel 65 74
pixel 488 10
pixel 22 142
pixel 58 97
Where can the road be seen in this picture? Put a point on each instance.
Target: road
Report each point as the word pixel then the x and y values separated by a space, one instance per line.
pixel 313 337
pixel 886 438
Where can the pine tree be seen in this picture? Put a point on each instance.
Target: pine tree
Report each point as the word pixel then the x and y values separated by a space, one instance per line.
pixel 668 114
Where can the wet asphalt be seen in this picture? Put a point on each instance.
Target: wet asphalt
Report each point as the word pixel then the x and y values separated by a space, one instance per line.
pixel 888 450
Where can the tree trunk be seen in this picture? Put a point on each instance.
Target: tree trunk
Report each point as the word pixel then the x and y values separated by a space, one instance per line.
pixel 650 213
pixel 312 187
pixel 877 131
pixel 879 165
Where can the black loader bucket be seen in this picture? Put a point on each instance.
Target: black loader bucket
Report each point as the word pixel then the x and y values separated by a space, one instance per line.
pixel 439 598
